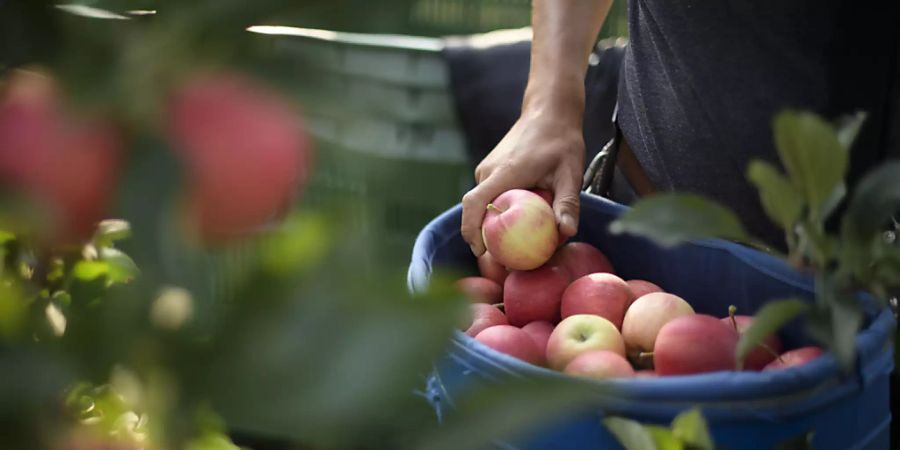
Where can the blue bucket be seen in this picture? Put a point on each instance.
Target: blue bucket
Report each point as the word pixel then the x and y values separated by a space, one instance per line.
pixel 745 410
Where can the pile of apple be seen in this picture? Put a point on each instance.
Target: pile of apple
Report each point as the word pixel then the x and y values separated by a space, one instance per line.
pixel 563 307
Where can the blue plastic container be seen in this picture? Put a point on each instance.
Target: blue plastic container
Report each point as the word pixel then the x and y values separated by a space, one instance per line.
pixel 745 410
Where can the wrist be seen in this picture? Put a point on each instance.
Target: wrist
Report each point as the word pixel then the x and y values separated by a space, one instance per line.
pixel 559 100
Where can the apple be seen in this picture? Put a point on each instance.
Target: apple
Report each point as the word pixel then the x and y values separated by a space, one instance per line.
pixel 540 332
pixel 64 161
pixel 602 294
pixel 641 288
pixel 519 230
pixel 491 269
pixel 512 341
pixel 580 259
pixel 534 295
pixel 245 150
pixel 480 290
pixel 647 315
pixel 582 333
pixel 695 343
pixel 645 373
pixel 599 364
pixel 548 197
pixel 759 357
pixel 794 358
pixel 484 316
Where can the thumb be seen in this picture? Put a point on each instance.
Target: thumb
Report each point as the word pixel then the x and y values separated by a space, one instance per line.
pixel 566 201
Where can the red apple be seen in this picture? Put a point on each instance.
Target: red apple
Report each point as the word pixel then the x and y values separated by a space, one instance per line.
pixel 540 332
pixel 491 269
pixel 534 295
pixel 66 163
pixel 602 294
pixel 759 357
pixel 600 364
pixel 641 288
pixel 480 290
pixel 794 358
pixel 519 230
pixel 245 149
pixel 580 259
pixel 695 343
pixel 484 316
pixel 582 333
pixel 512 341
pixel 647 315
pixel 548 197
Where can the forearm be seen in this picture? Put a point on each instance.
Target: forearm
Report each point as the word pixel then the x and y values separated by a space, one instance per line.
pixel 564 34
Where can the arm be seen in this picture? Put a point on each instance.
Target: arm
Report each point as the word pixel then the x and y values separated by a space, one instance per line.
pixel 545 147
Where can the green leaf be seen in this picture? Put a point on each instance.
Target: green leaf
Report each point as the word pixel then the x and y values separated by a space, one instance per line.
pixel 631 434
pixel 90 270
pixel 812 155
pixel 768 320
pixel 779 198
pixel 111 230
pixel 670 219
pixel 848 128
pixel 664 438
pixel 690 428
pixel 875 200
pixel 121 268
pixel 6 236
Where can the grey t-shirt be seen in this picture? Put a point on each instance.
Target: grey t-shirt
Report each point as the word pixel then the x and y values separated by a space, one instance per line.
pixel 702 80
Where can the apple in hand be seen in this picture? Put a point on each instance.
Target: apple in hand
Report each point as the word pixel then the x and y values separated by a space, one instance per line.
pixel 647 315
pixel 794 358
pixel 641 288
pixel 534 295
pixel 519 230
pixel 491 269
pixel 759 357
pixel 512 341
pixel 582 333
pixel 480 290
pixel 580 259
pixel 484 316
pixel 601 294
pixel 600 364
pixel 540 332
pixel 695 343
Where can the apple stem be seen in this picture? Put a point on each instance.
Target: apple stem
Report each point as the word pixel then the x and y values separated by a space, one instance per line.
pixel 731 311
pixel 772 351
pixel 491 206
pixel 645 355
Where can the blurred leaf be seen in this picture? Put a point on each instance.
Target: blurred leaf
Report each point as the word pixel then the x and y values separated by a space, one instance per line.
pixel 690 428
pixel 848 128
pixel 120 267
pixel 56 319
pixel 90 270
pixel 111 230
pixel 510 408
pixel 631 434
pixel 800 442
pixel 812 155
pixel 670 219
pixel 664 438
pixel 767 321
pixel 13 309
pixel 875 200
pixel 212 441
pixel 835 326
pixel 297 245
pixel 6 236
pixel 779 198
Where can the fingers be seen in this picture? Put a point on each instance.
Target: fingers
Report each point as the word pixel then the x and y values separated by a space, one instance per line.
pixel 566 200
pixel 475 203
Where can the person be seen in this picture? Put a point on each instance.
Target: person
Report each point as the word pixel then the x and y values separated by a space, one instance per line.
pixel 700 83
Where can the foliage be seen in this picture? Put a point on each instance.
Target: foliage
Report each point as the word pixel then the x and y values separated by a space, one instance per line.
pixel 856 257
